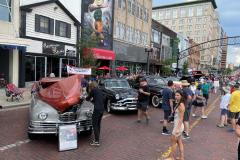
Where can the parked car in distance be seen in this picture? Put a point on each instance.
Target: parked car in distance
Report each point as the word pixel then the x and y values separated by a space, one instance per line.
pixel 119 95
pixel 56 102
pixel 156 85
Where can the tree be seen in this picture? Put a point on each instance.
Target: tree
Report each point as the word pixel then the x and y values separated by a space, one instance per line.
pixel 185 68
pixel 87 42
pixel 166 70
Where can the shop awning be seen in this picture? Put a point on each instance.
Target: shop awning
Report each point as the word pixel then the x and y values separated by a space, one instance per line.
pixel 103 54
pixel 10 42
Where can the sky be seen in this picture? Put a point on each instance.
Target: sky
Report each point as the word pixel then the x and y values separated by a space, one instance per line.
pixel 229 18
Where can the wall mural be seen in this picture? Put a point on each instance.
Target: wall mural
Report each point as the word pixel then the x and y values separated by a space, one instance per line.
pixel 97 21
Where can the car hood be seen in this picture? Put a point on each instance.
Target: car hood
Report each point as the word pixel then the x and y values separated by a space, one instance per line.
pixel 125 92
pixel 62 94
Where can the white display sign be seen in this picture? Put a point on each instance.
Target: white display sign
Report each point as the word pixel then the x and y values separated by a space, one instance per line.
pixel 67 137
pixel 76 70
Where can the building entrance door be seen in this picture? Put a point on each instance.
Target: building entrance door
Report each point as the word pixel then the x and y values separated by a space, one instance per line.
pixel 53 66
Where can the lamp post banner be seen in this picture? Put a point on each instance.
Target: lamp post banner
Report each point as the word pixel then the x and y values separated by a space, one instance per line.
pixel 76 70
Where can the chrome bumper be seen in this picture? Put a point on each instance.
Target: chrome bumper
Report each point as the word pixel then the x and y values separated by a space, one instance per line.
pixel 125 104
pixel 52 127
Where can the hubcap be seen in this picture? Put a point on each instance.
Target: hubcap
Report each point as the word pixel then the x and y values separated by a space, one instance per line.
pixel 155 101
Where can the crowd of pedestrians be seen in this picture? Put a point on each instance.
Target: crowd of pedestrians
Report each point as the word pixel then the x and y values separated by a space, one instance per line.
pixel 178 105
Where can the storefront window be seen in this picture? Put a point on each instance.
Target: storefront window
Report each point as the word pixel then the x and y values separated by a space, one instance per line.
pixel 5 9
pixel 40 68
pixel 30 68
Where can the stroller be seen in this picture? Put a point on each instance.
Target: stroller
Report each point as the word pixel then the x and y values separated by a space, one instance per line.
pixel 13 92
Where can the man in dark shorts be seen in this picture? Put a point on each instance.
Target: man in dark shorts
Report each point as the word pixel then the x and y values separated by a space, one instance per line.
pixel 188 95
pixel 167 105
pixel 143 100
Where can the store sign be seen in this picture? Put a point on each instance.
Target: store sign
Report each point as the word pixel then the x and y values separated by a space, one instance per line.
pixel 70 51
pixel 67 137
pixel 76 70
pixel 53 48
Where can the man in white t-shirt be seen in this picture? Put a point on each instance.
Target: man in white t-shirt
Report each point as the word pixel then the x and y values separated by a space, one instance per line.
pixel 225 101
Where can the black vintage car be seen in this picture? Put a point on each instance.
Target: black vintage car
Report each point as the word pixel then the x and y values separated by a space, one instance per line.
pixel 156 85
pixel 119 95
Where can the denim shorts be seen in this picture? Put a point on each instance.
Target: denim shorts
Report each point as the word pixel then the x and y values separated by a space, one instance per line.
pixel 224 112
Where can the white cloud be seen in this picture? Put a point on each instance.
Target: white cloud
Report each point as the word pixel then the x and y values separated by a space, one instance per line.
pixel 233 55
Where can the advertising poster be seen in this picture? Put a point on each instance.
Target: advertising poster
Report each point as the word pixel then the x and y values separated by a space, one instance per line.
pixel 97 21
pixel 67 137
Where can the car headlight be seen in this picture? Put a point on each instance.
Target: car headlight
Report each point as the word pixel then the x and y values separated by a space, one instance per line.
pixel 42 116
pixel 117 96
pixel 89 114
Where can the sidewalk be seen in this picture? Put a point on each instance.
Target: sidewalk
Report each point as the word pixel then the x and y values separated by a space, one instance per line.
pixel 8 104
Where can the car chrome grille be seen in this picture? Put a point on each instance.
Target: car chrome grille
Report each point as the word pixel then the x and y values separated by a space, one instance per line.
pixel 67 116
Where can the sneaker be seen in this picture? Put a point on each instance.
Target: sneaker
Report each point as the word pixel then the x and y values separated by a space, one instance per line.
pixel 138 121
pixel 186 136
pixel 220 126
pixel 225 125
pixel 204 117
pixel 194 115
pixel 94 143
pixel 166 133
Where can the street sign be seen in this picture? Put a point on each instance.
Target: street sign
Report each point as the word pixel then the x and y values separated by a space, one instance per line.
pixel 67 137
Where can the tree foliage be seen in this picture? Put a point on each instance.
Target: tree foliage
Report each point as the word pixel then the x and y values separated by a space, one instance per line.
pixel 185 68
pixel 87 42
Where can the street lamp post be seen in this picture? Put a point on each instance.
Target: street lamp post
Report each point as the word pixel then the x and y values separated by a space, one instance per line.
pixel 148 50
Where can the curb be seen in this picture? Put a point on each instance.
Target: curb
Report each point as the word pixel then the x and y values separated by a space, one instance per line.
pixel 14 105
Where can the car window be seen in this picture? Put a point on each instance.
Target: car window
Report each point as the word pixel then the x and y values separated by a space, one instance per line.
pixel 117 84
pixel 155 81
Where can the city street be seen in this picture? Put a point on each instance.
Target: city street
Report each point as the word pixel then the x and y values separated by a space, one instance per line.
pixel 121 139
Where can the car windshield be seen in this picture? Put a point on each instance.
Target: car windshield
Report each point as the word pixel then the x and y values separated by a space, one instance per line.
pixel 156 81
pixel 117 84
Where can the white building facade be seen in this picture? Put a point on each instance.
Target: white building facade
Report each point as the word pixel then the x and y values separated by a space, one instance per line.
pixel 12 48
pixel 54 33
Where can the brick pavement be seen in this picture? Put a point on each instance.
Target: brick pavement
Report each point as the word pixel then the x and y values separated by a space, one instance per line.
pixel 122 139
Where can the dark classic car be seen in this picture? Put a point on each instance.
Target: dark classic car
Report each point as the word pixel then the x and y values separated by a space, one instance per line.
pixel 156 85
pixel 119 95
pixel 58 102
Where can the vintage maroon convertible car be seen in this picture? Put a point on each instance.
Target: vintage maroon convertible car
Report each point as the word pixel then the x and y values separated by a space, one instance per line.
pixel 55 102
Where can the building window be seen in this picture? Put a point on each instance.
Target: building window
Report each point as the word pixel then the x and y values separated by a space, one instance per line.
pixel 199 20
pixel 141 12
pixel 168 14
pixel 123 4
pixel 173 22
pixel 166 22
pixel 190 20
pixel 199 11
pixel 161 15
pixel 180 27
pixel 119 3
pixel 182 12
pixel 154 15
pixel 44 24
pixel 197 26
pixel 190 27
pixel 155 36
pixel 129 6
pixel 190 12
pixel 181 21
pixel 175 13
pixel 137 10
pixel 62 29
pixel 5 9
pixel 133 7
